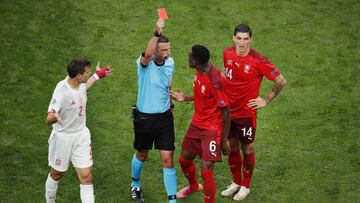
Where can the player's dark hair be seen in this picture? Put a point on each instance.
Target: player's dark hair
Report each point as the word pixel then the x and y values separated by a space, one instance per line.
pixel 243 28
pixel 162 38
pixel 77 66
pixel 200 53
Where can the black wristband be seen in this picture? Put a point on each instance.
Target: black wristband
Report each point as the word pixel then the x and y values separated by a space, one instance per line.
pixel 156 34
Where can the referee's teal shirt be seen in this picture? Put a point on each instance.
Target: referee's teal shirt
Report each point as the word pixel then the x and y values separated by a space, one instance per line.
pixel 153 86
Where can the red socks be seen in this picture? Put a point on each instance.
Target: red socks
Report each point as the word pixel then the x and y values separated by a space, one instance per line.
pixel 209 185
pixel 188 168
pixel 249 163
pixel 235 165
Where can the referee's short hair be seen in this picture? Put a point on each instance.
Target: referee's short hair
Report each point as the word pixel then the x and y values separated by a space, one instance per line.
pixel 163 39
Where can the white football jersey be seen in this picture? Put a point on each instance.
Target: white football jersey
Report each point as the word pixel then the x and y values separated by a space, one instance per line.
pixel 71 105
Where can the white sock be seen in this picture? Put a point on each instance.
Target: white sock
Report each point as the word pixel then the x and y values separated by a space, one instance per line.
pixel 51 186
pixel 87 193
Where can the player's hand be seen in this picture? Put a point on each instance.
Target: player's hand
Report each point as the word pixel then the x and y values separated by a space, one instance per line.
pixel 225 147
pixel 160 24
pixel 104 71
pixel 53 115
pixel 178 95
pixel 257 103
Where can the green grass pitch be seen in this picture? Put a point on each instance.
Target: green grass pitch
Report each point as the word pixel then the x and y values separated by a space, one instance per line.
pixel 307 145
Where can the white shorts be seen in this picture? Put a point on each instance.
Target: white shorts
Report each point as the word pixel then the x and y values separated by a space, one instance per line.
pixel 66 147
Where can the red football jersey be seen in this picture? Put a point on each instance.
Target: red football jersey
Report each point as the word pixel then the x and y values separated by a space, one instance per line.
pixel 243 80
pixel 209 95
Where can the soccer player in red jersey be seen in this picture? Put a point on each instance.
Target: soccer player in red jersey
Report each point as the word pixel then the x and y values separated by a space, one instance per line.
pixel 208 131
pixel 245 68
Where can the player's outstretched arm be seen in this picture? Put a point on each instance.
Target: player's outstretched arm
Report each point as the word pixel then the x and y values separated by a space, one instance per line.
pixel 100 73
pixel 151 47
pixel 179 96
pixel 225 146
pixel 279 84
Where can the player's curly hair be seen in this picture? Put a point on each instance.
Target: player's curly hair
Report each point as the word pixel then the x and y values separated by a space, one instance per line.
pixel 243 28
pixel 77 66
pixel 200 53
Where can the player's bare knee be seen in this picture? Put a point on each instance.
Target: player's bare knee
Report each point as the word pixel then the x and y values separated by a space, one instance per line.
pixel 168 162
pixel 187 155
pixel 142 155
pixel 85 178
pixel 248 149
pixel 207 165
pixel 56 175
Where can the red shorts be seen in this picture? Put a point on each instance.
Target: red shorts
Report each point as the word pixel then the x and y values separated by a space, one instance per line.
pixel 243 129
pixel 202 142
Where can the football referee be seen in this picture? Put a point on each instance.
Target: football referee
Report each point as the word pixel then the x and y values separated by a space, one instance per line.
pixel 153 119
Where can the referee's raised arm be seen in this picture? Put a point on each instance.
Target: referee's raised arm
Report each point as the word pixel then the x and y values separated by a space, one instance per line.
pixel 151 47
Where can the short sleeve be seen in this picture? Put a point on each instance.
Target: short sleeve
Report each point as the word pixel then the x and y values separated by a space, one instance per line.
pixel 224 59
pixel 56 101
pixel 138 62
pixel 268 69
pixel 218 90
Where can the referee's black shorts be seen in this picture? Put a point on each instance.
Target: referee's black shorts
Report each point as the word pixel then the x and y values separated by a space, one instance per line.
pixel 154 128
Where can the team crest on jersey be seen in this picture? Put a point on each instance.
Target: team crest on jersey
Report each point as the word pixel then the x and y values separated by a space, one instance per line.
pixel 229 62
pixel 203 89
pixel 246 68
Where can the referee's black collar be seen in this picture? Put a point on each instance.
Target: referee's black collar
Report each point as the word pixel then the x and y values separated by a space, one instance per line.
pixel 158 63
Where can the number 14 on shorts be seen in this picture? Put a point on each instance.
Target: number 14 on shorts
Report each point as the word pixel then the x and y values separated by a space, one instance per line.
pixel 247 133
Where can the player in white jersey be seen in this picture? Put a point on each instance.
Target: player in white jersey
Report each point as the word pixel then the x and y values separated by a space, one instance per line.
pixel 70 138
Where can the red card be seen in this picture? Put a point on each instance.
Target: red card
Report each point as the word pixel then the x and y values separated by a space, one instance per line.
pixel 162 13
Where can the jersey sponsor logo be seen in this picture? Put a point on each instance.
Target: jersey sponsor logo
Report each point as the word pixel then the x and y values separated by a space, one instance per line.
pixel 203 89
pixel 229 62
pixel 237 64
pixel 221 102
pixel 246 68
pixel 213 154
pixel 73 103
